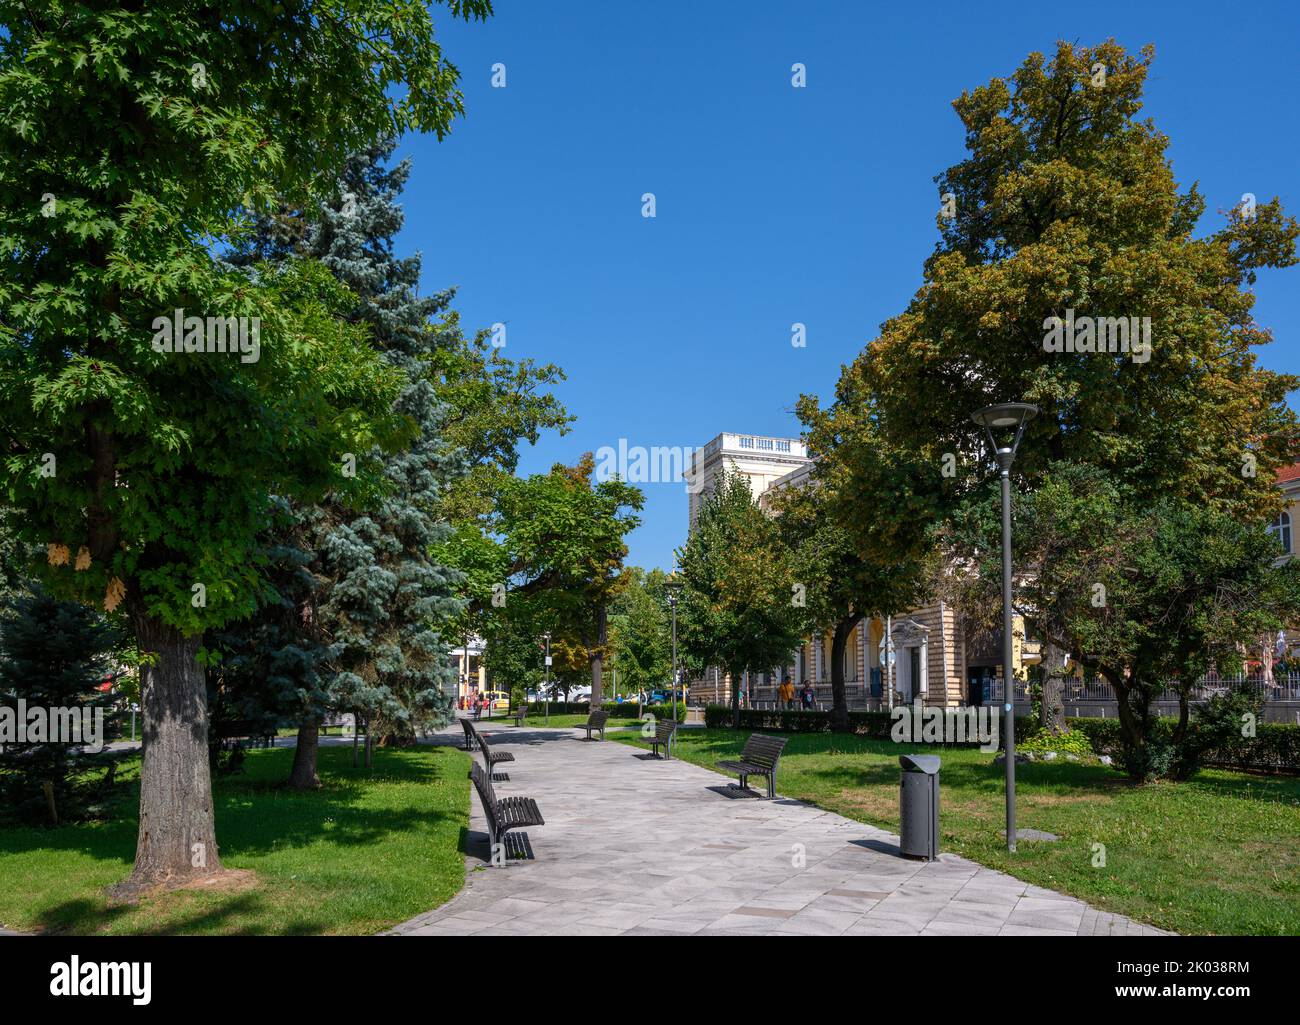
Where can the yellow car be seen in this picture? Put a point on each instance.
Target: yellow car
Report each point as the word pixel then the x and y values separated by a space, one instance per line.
pixel 499 700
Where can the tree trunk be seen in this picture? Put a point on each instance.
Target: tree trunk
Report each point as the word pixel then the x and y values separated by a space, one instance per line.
pixel 1053 708
pixel 303 774
pixel 839 699
pixel 596 657
pixel 177 839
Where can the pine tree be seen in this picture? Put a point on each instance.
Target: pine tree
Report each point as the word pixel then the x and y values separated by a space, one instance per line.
pixel 360 599
pixel 54 655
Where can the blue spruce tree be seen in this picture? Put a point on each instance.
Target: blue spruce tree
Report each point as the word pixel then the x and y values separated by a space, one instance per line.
pixel 363 634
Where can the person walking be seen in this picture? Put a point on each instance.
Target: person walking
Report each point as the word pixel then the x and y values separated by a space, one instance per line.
pixel 809 695
pixel 786 692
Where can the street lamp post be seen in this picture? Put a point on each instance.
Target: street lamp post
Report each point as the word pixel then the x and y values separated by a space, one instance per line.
pixel 1003 417
pixel 673 587
pixel 546 687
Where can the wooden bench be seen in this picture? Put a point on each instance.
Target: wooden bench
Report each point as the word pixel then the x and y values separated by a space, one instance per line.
pixel 503 814
pixel 596 720
pixel 519 715
pixel 664 732
pixel 759 758
pixel 468 727
pixel 490 757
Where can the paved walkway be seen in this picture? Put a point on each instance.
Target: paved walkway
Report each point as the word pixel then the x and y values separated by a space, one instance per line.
pixel 635 846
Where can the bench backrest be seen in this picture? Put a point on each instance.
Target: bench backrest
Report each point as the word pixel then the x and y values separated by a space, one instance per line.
pixel 598 718
pixel 761 749
pixel 665 728
pixel 483 784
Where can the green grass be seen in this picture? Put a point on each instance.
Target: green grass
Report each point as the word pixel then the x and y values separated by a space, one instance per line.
pixel 366 851
pixel 1218 854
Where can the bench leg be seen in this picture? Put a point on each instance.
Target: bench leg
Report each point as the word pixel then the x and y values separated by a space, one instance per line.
pixel 771 787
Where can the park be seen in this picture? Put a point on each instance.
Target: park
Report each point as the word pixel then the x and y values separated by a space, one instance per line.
pixel 919 567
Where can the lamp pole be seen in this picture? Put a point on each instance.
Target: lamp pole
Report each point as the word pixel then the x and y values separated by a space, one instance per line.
pixel 547 686
pixel 672 587
pixel 1003 416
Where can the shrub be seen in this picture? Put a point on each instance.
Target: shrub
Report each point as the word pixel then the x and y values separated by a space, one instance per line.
pixel 1275 747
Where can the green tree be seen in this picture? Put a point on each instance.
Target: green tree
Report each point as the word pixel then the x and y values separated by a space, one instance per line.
pixel 640 631
pixel 560 545
pixel 165 461
pixel 1068 220
pixel 1147 597
pixel 738 602
pixel 55 655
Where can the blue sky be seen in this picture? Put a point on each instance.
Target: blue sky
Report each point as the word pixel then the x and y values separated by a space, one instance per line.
pixel 775 205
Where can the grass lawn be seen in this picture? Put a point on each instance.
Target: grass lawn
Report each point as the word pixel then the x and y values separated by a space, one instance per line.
pixel 1220 854
pixel 368 850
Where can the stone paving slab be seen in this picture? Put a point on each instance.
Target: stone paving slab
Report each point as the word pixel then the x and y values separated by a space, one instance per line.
pixel 638 846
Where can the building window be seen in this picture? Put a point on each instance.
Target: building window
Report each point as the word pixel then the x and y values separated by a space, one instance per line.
pixel 1281 529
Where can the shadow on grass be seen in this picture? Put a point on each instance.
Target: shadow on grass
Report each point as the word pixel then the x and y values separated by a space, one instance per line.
pixel 256 813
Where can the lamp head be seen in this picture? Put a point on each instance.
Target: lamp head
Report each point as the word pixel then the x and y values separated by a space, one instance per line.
pixel 1005 416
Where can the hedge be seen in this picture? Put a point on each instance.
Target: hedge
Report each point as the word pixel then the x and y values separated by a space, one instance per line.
pixel 875 725
pixel 1274 748
pixel 616 710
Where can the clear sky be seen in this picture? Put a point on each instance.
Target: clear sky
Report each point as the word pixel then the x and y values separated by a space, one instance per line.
pixel 775 205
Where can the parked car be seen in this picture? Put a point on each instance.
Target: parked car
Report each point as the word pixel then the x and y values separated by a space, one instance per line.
pixel 499 700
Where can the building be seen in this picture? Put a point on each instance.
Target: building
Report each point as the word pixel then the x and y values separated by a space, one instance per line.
pixel 761 460
pixel 471 674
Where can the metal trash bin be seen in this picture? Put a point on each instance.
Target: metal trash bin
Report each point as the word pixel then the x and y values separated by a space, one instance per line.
pixel 918 797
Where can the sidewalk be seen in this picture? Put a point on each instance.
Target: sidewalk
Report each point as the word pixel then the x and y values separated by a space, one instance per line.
pixel 637 846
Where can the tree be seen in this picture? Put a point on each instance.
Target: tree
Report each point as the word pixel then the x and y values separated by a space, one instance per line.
pixel 1069 222
pixel 737 607
pixel 859 531
pixel 165 462
pixel 1152 597
pixel 640 637
pixel 560 541
pixel 55 655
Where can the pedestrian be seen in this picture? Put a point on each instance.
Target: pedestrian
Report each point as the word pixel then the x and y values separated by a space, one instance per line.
pixel 809 695
pixel 786 692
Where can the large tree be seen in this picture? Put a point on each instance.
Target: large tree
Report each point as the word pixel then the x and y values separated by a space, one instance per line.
pixel 557 541
pixel 165 461
pixel 1067 220
pixel 739 606
pixel 858 530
